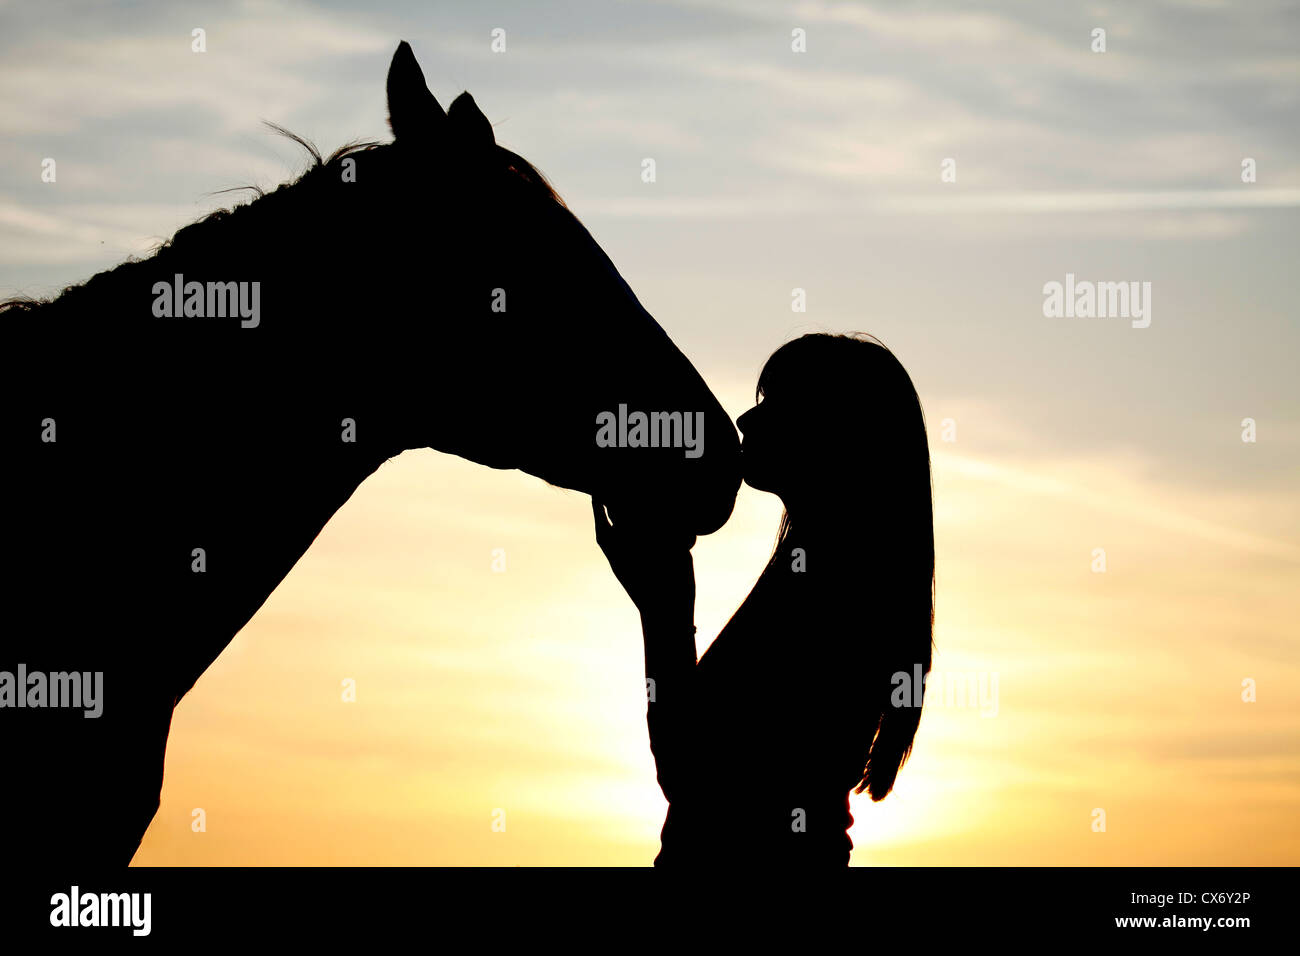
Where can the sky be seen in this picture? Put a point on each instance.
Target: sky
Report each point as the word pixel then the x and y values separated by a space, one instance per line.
pixel 499 715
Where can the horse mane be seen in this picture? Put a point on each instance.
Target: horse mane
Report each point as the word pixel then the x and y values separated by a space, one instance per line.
pixel 245 219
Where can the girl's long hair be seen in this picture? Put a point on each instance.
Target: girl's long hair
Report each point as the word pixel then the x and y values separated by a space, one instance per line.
pixel 868 412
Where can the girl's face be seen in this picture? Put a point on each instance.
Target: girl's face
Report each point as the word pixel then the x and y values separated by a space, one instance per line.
pixel 781 443
pixel 753 449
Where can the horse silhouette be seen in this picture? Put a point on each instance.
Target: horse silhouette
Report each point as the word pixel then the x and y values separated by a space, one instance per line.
pixel 203 411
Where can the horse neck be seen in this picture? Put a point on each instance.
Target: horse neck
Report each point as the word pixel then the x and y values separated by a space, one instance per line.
pixel 175 434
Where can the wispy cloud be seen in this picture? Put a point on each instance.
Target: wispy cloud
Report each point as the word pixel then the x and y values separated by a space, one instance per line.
pixel 1142 508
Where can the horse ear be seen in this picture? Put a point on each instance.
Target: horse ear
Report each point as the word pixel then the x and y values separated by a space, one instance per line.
pixel 413 112
pixel 471 126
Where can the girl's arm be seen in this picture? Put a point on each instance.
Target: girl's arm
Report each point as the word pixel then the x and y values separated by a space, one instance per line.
pixel 670 700
pixel 656 570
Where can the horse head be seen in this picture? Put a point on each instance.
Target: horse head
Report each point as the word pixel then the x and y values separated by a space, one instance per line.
pixel 542 359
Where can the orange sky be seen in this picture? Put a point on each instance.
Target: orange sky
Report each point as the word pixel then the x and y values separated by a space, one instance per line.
pixel 521 691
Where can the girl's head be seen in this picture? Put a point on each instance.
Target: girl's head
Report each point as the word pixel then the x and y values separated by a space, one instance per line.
pixel 839 435
pixel 836 415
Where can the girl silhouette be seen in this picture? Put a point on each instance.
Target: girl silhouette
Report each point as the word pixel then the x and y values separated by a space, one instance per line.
pixel 798 701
